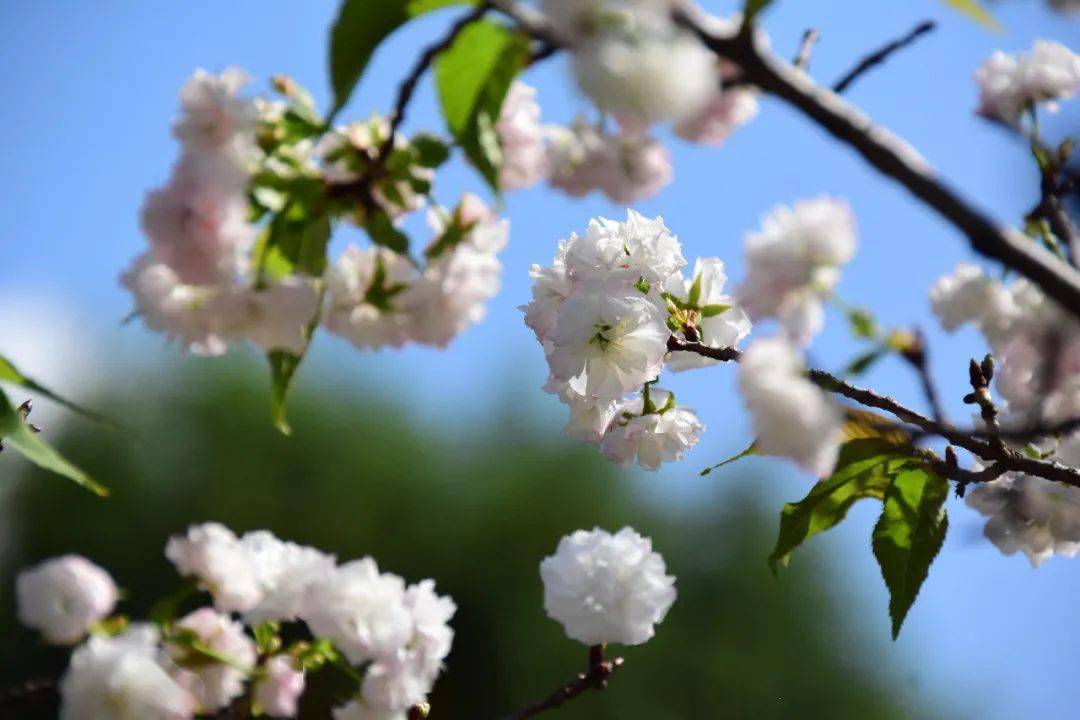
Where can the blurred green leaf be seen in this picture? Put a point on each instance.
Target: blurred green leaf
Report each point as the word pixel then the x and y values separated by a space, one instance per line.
pixel 862 323
pixel 10 373
pixel 380 228
pixel 431 151
pixel 17 434
pixel 908 536
pixel 863 362
pixel 282 368
pixel 360 27
pixel 864 424
pixel 974 10
pixel 863 470
pixel 472 78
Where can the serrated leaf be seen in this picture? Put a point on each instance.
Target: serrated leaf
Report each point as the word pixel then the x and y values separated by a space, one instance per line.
pixel 751 450
pixel 17 434
pixel 472 78
pixel 976 12
pixel 10 373
pixel 864 469
pixel 863 362
pixel 908 536
pixel 360 27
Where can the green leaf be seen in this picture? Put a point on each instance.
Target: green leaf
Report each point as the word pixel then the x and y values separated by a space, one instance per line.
pixel 751 450
pixel 431 151
pixel 863 362
pixel 863 470
pixel 864 424
pixel 713 310
pixel 282 369
pixel 17 434
pixel 360 27
pixel 381 230
pixel 472 78
pixel 862 324
pixel 974 10
pixel 10 373
pixel 908 536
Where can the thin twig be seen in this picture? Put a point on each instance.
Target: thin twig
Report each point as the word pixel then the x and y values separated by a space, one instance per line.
pixel 880 56
pixel 916 356
pixel 1006 458
pixel 361 185
pixel 806 47
pixel 892 157
pixel 595 679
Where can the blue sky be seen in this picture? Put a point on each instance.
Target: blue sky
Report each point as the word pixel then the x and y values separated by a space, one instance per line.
pixel 90 89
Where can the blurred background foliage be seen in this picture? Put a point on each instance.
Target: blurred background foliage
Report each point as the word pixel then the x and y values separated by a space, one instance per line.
pixel 477 514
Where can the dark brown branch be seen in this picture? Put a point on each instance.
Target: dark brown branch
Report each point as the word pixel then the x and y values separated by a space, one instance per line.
pixel 1052 210
pixel 1006 459
pixel 880 56
pixel 916 356
pixel 595 679
pixel 894 158
pixel 361 186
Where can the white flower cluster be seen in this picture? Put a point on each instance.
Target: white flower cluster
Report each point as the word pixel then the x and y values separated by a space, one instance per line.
pixel 1036 345
pixel 629 164
pixel 206 660
pixel 606 588
pixel 198 284
pixel 1010 85
pixel 193 283
pixel 378 298
pixel 1032 515
pixel 604 311
pixel 794 262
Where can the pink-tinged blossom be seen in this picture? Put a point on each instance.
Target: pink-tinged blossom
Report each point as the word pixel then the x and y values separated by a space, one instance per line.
pixel 521 136
pixel 213 684
pixel 62 598
pixel 277 693
pixel 794 262
pixel 791 416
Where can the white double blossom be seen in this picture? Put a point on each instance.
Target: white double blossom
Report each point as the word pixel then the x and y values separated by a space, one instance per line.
pixel 652 435
pixel 791 416
pixel 122 677
pixel 794 262
pixel 1027 514
pixel 62 598
pixel 1011 84
pixel 606 588
pixel 604 312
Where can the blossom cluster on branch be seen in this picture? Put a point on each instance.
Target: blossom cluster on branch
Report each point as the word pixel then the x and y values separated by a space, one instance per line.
pixel 391 639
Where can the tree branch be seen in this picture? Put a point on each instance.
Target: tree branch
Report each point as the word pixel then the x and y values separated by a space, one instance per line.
pixel 361 186
pixel 892 157
pixel 806 47
pixel 595 679
pixel 1006 459
pixel 880 56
